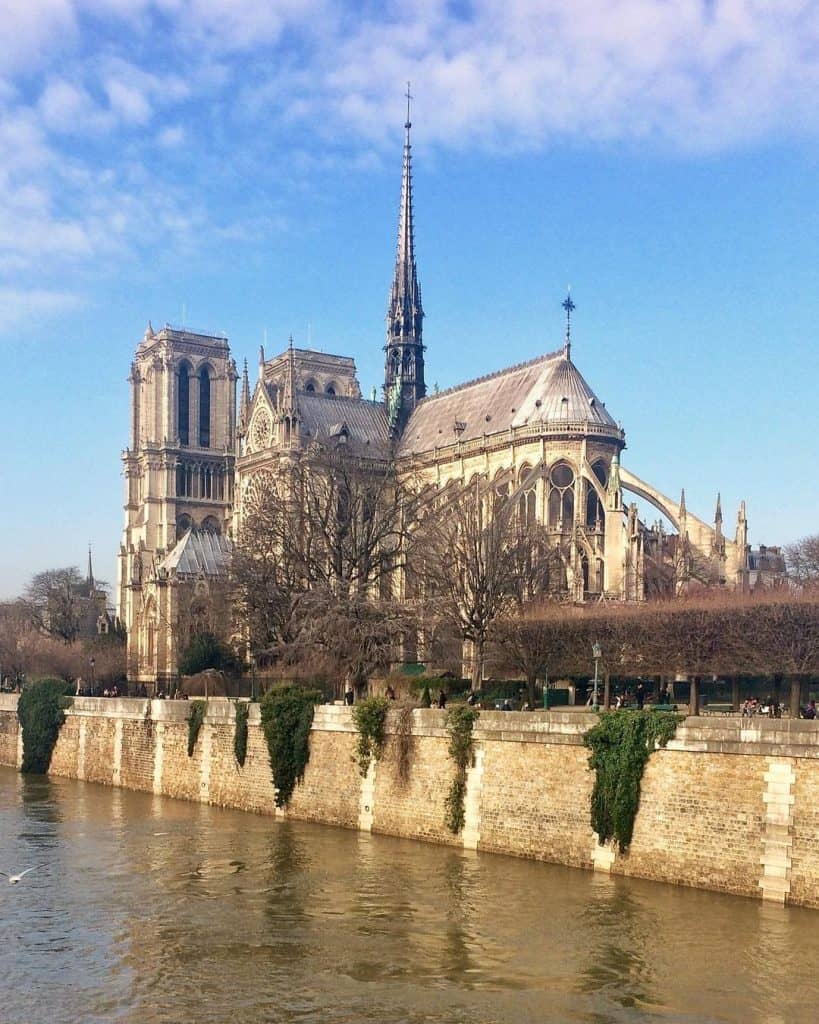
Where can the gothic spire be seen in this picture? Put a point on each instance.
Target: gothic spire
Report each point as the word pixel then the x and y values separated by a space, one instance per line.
pixel 90 570
pixel 290 405
pixel 718 513
pixel 569 306
pixel 404 370
pixel 682 503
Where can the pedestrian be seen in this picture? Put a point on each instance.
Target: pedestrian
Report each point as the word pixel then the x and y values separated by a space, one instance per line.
pixel 389 693
pixel 349 696
pixel 810 710
pixel 641 695
pixel 442 699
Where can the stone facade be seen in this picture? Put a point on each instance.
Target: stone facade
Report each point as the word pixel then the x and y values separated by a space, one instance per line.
pixel 726 806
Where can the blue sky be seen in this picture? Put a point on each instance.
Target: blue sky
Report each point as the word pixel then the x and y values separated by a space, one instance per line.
pixel 240 161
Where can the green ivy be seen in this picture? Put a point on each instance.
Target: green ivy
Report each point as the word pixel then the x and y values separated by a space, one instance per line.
pixel 460 721
pixel 287 714
pixel 240 735
pixel 370 718
pixel 621 743
pixel 196 717
pixel 41 712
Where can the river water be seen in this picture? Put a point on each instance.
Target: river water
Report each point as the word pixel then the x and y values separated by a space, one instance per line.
pixel 146 910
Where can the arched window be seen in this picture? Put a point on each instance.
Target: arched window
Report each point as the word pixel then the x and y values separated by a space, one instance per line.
pixel 310 387
pixel 594 507
pixel 561 496
pixel 210 524
pixel 183 524
pixel 601 471
pixel 204 408
pixel 331 388
pixel 183 397
pixel 526 501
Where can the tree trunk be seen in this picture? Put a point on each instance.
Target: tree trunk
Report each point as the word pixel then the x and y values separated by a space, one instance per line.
pixel 735 692
pixel 694 697
pixel 796 696
pixel 477 665
pixel 531 681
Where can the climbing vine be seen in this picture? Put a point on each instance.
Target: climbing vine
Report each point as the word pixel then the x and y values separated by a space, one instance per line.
pixel 460 722
pixel 41 712
pixel 370 718
pixel 196 717
pixel 287 714
pixel 621 743
pixel 404 741
pixel 240 735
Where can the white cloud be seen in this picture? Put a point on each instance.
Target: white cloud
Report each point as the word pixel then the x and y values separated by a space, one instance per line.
pixel 171 136
pixel 20 306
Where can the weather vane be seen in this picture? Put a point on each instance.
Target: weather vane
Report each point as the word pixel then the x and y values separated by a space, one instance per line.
pixel 569 306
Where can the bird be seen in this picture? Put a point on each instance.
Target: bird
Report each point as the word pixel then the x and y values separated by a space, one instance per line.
pixel 14 879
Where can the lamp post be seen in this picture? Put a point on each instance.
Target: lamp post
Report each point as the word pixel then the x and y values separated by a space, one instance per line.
pixel 597 654
pixel 92 663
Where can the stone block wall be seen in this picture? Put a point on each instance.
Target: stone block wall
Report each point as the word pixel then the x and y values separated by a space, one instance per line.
pixel 727 806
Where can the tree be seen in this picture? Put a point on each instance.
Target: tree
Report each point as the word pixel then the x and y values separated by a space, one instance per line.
pixel 477 559
pixel 52 599
pixel 316 562
pixel 802 560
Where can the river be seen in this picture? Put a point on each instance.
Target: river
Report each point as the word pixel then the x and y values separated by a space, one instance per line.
pixel 145 909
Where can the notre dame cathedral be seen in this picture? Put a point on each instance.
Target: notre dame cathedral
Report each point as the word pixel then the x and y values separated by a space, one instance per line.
pixel 537 430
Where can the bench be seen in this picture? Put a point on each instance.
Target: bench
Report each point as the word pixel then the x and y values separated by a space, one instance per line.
pixel 719 709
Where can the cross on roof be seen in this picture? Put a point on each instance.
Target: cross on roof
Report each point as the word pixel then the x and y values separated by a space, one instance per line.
pixel 569 306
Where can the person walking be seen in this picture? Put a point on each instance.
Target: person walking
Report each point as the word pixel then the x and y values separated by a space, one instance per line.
pixel 640 693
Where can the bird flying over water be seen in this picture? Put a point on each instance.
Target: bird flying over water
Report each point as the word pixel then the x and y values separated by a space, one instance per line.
pixel 14 879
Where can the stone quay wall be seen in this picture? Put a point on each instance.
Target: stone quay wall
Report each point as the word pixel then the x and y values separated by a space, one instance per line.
pixel 729 805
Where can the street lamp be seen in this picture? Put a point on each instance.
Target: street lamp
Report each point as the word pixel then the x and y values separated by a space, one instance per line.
pixel 597 654
pixel 92 663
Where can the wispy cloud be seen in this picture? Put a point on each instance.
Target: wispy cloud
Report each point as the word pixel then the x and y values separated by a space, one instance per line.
pixel 20 307
pixel 121 119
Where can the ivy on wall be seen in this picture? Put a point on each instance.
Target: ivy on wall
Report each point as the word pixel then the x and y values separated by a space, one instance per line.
pixel 621 744
pixel 287 714
pixel 460 721
pixel 41 713
pixel 240 735
pixel 370 719
pixel 196 717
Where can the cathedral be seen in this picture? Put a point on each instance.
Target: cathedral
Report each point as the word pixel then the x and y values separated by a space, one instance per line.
pixel 536 431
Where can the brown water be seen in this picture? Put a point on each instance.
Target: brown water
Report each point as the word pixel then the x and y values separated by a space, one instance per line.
pixel 144 909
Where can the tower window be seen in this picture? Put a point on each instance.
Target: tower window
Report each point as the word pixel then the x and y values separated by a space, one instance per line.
pixel 204 408
pixel 183 395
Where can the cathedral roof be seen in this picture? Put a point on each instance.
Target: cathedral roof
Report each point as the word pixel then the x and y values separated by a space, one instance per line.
pixel 197 553
pixel 549 390
pixel 362 424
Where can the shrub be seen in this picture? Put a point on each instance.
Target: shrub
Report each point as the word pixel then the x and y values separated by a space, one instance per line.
pixel 240 735
pixel 460 722
pixel 206 651
pixel 370 717
pixel 287 714
pixel 196 717
pixel 426 698
pixel 41 712
pixel 621 743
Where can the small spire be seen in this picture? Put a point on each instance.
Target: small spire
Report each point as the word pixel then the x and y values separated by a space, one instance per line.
pixel 569 306
pixel 90 569
pixel 261 362
pixel 290 406
pixel 718 513
pixel 682 502
pixel 244 401
pixel 741 513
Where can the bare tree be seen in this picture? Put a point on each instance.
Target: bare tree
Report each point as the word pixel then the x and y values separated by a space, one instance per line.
pixel 802 560
pixel 53 601
pixel 476 560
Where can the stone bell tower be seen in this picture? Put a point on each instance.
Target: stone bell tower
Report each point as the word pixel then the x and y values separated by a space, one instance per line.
pixel 179 463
